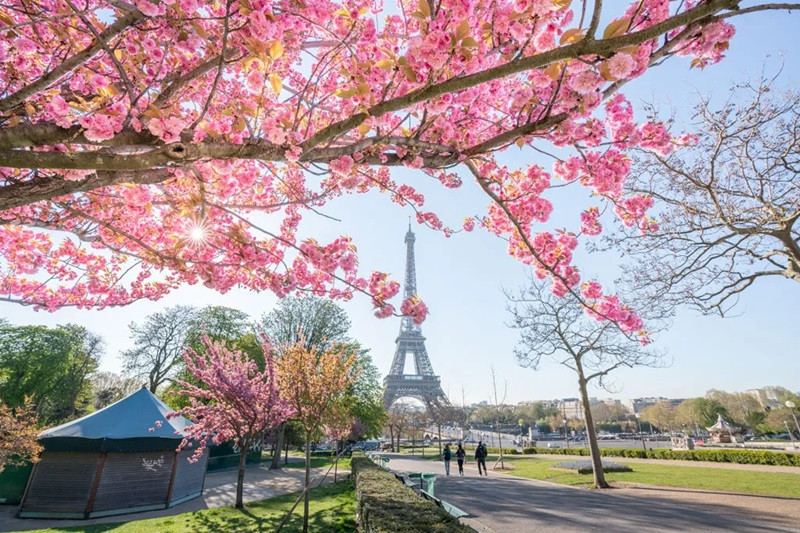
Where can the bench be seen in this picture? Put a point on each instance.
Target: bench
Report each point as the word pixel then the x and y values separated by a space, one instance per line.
pixel 449 507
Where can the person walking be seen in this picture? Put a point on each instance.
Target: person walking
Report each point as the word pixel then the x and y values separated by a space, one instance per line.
pixel 461 455
pixel 480 457
pixel 447 455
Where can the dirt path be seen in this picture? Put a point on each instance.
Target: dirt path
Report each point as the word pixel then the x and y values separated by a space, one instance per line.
pixel 784 511
pixel 704 464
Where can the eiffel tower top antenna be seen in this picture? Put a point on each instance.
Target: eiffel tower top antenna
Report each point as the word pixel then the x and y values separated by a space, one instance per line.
pixel 410 288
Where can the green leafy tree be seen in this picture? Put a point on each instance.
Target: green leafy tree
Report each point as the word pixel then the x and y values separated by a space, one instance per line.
pixel 744 409
pixel 51 365
pixel 221 324
pixel 319 323
pixel 364 396
pixel 661 415
pixel 778 420
pixel 699 413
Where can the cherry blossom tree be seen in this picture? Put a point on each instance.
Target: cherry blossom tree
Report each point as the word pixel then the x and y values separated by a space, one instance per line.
pixel 19 438
pixel 233 401
pixel 312 382
pixel 338 428
pixel 142 143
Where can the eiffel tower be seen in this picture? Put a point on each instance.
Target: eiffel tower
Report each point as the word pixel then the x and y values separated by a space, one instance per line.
pixel 423 384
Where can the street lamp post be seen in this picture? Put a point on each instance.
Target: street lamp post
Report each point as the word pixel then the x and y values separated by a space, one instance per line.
pixel 791 405
pixel 789 431
pixel 641 436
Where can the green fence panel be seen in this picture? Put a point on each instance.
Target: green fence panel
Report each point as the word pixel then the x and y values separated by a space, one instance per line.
pixel 13 480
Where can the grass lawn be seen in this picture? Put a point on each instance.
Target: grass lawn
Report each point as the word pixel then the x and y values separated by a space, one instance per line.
pixel 316 462
pixel 429 450
pixel 332 509
pixel 745 481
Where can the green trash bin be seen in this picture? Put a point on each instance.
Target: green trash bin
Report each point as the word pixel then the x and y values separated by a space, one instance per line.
pixel 384 462
pixel 428 477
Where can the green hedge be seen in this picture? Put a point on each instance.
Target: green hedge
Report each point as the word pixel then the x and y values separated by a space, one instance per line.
pixel 721 455
pixel 506 451
pixel 385 505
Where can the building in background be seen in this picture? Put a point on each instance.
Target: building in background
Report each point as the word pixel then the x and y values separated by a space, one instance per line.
pixel 635 405
pixel 768 397
pixel 570 408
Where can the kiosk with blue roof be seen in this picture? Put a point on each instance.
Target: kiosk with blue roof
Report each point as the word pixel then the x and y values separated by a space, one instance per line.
pixel 113 461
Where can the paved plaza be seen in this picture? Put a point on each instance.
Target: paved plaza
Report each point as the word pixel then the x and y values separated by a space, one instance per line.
pixel 501 503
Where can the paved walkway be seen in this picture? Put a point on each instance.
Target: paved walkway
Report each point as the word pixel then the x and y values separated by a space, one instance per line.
pixel 501 503
pixel 260 483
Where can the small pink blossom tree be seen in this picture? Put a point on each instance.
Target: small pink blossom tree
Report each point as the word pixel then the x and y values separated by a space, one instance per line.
pixel 233 401
pixel 338 428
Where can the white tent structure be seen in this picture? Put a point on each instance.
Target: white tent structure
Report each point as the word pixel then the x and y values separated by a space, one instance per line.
pixel 723 432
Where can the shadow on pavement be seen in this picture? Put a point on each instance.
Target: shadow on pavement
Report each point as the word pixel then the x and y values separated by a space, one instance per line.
pixel 503 503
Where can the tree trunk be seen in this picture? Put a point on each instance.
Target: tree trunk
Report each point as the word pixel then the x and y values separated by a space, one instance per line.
pixel 591 436
pixel 391 437
pixel 307 481
pixel 275 464
pixel 438 429
pixel 240 480
pixel 335 457
pixel 286 451
pixel 500 445
pixel 336 460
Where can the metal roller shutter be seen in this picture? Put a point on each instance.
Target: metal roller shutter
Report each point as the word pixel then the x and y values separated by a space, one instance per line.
pixel 188 476
pixel 134 480
pixel 61 483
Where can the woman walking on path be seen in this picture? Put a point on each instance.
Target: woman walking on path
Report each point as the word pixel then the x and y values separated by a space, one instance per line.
pixel 461 455
pixel 447 455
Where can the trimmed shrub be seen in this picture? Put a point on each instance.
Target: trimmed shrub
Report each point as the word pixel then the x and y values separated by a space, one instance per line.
pixel 720 455
pixel 385 505
pixel 507 451
pixel 584 466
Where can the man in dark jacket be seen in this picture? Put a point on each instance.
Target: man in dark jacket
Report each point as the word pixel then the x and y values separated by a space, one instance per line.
pixel 480 457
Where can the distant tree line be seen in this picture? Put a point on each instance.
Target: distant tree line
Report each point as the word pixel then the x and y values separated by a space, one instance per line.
pixel 739 408
pixel 56 368
pixel 692 415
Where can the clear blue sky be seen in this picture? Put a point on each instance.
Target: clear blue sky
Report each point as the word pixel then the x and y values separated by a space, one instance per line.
pixel 461 278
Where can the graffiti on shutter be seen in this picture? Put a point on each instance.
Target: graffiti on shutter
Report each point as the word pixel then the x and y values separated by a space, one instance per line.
pixel 153 465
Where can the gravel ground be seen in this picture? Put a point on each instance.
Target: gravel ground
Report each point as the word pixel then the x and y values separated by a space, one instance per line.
pixel 782 511
pixel 704 464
